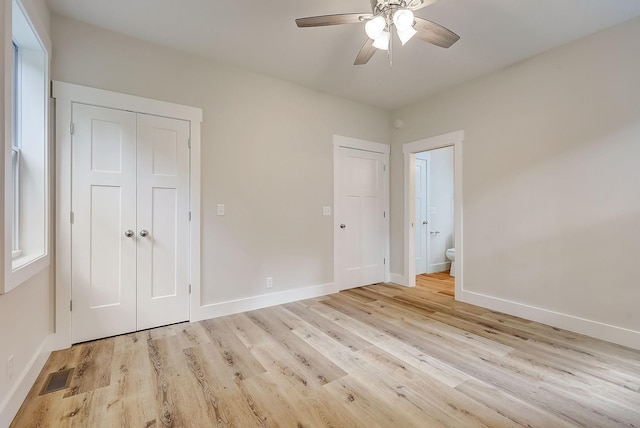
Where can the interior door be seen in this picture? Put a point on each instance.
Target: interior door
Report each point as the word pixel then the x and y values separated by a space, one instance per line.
pixel 103 209
pixel 163 221
pixel 421 216
pixel 360 218
pixel 130 231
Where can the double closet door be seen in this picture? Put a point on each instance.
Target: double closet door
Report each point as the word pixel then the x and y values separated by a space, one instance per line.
pixel 130 222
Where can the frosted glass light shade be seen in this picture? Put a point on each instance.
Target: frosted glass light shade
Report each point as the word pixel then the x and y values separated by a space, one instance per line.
pixel 403 19
pixel 382 41
pixel 374 27
pixel 406 35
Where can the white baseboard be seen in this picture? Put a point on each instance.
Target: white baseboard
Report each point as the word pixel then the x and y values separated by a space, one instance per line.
pixel 9 408
pixel 257 302
pixel 439 267
pixel 396 278
pixel 610 333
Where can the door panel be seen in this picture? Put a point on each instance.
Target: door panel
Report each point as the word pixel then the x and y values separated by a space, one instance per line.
pixel 103 206
pixel 163 211
pixel 105 247
pixel 361 243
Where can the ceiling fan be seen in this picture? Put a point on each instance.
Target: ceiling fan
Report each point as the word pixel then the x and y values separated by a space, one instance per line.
pixel 388 16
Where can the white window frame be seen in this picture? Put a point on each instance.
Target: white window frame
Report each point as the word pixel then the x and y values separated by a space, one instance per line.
pixel 15 152
pixel 26 197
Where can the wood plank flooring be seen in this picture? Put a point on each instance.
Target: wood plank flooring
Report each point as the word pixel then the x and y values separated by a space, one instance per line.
pixel 376 356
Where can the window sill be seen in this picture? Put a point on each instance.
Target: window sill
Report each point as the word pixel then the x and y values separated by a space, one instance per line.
pixel 22 269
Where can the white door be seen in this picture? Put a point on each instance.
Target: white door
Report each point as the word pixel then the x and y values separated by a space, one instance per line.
pixel 360 218
pixel 163 219
pixel 421 216
pixel 103 277
pixel 130 249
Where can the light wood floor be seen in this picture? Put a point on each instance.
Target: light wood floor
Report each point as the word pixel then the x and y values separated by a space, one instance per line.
pixel 377 356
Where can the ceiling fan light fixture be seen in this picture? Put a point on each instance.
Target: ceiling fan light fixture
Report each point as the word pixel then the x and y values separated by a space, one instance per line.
pixel 374 27
pixel 406 35
pixel 403 19
pixel 382 41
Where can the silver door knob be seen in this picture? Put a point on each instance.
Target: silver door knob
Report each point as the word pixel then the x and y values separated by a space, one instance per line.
pixel 342 226
pixel 425 222
pixel 144 232
pixel 129 233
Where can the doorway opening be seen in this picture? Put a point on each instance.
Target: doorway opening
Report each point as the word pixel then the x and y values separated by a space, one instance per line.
pixel 433 210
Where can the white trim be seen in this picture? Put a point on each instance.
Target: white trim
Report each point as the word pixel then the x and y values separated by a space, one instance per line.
pixel 66 94
pixel 396 278
pixel 32 36
pixel 454 139
pixel 444 140
pixel 63 226
pixel 354 143
pixel 369 146
pixel 439 267
pixel 16 395
pixel 257 302
pixel 102 98
pixel 609 333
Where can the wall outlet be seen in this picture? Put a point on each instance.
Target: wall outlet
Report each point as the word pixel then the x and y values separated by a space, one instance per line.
pixel 220 210
pixel 269 282
pixel 326 210
pixel 10 367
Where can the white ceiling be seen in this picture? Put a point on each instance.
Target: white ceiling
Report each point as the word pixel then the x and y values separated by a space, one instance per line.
pixel 262 36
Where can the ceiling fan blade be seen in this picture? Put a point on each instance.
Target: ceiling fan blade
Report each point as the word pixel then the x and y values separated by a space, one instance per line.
pixel 365 54
pixel 418 4
pixel 434 33
pixel 324 20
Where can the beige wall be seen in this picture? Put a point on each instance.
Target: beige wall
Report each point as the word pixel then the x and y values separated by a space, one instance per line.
pixel 267 155
pixel 551 175
pixel 26 313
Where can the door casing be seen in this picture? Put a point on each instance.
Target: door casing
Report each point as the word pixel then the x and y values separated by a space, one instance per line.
pixel 66 94
pixel 409 150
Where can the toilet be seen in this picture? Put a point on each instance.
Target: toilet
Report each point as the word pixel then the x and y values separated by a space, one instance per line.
pixel 451 255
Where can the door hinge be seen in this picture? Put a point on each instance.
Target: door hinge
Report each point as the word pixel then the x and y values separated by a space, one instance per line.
pixel 72 128
pixel 384 261
pixel 384 214
pixel 70 305
pixel 384 167
pixel 189 215
pixel 189 288
pixel 189 142
pixel 71 217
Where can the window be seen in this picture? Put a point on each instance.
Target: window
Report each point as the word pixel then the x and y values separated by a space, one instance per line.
pixel 26 154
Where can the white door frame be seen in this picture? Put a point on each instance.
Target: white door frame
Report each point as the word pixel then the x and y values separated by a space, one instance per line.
pixel 409 150
pixel 66 94
pixel 385 149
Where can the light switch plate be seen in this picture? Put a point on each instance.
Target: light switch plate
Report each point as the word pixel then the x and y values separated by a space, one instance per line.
pixel 326 210
pixel 220 209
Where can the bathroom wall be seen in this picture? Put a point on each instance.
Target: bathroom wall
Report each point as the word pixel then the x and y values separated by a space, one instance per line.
pixel 441 206
pixel 550 199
